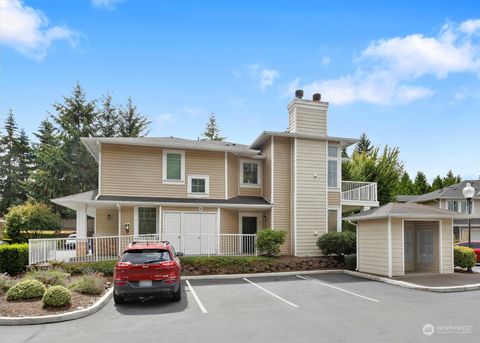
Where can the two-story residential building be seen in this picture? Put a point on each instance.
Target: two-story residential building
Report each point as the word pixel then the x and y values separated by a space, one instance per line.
pixel 451 198
pixel 212 197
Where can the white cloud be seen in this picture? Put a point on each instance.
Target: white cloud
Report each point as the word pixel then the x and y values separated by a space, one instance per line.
pixel 263 76
pixel 326 60
pixel 106 4
pixel 165 118
pixel 26 30
pixel 388 68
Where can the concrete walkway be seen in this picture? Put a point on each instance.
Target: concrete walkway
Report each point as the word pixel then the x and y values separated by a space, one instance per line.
pixel 441 280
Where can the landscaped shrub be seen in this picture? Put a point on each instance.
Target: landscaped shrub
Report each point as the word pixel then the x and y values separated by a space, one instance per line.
pixel 13 258
pixel 464 257
pixel 269 241
pixel 6 282
pixel 77 268
pixel 88 284
pixel 350 261
pixel 26 290
pixel 29 219
pixel 51 277
pixel 339 243
pixel 57 296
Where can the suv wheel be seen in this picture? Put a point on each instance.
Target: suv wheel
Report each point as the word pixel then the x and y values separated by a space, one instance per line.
pixel 117 299
pixel 177 295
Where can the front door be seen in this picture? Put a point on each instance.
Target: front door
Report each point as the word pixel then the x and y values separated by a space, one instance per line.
pixel 249 227
pixel 425 252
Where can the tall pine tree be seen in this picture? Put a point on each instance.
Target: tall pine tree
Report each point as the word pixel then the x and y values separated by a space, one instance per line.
pixel 108 118
pixel 212 131
pixel 421 183
pixel 364 145
pixel 132 123
pixel 437 183
pixel 405 186
pixel 450 179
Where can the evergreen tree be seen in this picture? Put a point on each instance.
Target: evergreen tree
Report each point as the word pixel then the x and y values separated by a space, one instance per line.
pixel 132 123
pixel 451 179
pixel 212 131
pixel 10 180
pixel 108 118
pixel 46 135
pixel 437 183
pixel 405 186
pixel 25 157
pixel 76 117
pixel 421 183
pixel 364 144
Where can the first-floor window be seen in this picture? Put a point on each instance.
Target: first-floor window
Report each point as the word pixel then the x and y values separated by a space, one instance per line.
pixel 147 220
pixel 198 185
pixel 332 220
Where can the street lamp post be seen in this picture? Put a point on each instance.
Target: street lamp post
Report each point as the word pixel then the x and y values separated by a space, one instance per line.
pixel 468 193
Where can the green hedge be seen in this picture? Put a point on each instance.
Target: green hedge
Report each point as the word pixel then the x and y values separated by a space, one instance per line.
pixel 269 241
pixel 78 268
pixel 13 258
pixel 56 296
pixel 339 243
pixel 27 289
pixel 351 261
pixel 464 257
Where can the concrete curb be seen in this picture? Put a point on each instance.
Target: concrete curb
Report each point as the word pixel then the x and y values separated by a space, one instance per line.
pixel 56 318
pixel 239 276
pixel 447 289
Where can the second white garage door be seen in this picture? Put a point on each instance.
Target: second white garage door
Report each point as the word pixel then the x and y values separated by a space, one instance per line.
pixel 193 233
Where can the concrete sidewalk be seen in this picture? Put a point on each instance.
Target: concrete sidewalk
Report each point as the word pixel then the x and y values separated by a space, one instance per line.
pixel 441 280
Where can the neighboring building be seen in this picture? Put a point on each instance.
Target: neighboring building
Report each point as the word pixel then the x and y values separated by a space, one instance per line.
pixel 174 187
pixel 451 198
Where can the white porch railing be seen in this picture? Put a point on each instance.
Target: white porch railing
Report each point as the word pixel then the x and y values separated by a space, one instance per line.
pixel 359 191
pixel 111 247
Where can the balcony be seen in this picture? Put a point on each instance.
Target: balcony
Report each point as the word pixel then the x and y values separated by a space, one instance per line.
pixel 356 193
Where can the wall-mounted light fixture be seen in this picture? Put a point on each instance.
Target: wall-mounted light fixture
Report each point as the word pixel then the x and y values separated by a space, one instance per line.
pixel 109 216
pixel 127 227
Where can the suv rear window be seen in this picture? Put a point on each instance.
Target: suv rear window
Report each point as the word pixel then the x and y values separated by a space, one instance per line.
pixel 146 256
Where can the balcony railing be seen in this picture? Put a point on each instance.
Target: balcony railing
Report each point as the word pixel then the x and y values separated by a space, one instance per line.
pixel 359 191
pixel 108 248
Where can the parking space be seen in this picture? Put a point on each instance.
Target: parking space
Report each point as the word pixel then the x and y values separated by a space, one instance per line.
pixel 320 307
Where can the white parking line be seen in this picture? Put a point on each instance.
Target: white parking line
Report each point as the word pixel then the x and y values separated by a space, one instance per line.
pixel 337 288
pixel 271 293
pixel 197 299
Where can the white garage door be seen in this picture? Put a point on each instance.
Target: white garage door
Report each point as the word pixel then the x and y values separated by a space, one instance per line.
pixel 475 235
pixel 192 233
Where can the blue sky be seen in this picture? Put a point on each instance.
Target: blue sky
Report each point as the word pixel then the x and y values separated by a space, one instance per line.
pixel 406 72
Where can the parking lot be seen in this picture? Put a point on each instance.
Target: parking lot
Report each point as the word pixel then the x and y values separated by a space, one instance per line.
pixel 309 308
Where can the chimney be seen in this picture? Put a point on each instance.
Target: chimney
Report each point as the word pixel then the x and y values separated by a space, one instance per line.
pixel 307 116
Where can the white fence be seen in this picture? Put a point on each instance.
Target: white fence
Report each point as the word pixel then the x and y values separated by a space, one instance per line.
pixel 359 191
pixel 111 247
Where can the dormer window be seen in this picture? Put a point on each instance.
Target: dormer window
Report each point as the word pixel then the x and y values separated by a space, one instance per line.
pixel 174 166
pixel 250 173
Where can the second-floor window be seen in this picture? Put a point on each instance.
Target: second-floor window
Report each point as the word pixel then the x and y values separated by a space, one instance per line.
pixel 173 166
pixel 250 173
pixel 198 185
pixel 460 206
pixel 333 166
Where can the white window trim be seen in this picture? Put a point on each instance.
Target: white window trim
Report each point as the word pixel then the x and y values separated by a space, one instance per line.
pixel 339 217
pixel 207 186
pixel 459 209
pixel 259 176
pixel 182 169
pixel 339 165
pixel 136 219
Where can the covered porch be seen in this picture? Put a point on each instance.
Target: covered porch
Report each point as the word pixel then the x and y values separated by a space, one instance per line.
pixel 193 226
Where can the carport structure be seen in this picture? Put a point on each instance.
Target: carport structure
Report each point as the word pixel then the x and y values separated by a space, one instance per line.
pixel 399 238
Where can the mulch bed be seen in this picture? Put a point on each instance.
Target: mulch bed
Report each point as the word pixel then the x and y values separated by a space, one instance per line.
pixel 34 307
pixel 263 265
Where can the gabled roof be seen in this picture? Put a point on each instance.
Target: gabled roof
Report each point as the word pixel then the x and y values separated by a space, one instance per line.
pixel 406 198
pixel 344 142
pixel 93 144
pixel 452 192
pixel 407 211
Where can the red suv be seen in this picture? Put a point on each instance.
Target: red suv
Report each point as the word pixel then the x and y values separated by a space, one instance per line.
pixel 146 271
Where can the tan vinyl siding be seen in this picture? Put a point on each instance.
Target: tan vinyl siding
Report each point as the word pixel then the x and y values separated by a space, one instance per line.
pixel 397 248
pixel 373 247
pixel 229 221
pixel 333 198
pixel 311 194
pixel 447 244
pixel 250 191
pixel 282 190
pixel 137 170
pixel 310 118
pixel 267 169
pixel 232 170
pixel 105 226
pixel 126 217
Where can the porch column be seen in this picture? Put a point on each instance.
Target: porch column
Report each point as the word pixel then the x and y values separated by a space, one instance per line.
pixel 81 221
